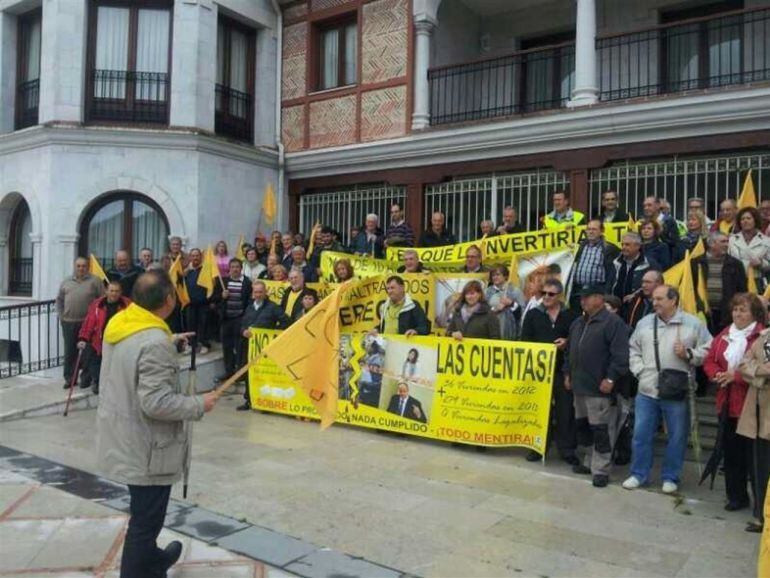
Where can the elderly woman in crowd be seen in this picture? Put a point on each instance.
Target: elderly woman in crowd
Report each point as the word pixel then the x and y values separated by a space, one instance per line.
pixel 652 246
pixel 754 421
pixel 751 246
pixel 369 241
pixel 472 317
pixel 252 268
pixel 506 302
pixel 721 367
pixel 343 270
pixel 279 273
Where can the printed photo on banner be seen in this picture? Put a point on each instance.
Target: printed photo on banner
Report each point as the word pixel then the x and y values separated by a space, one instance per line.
pixel 533 270
pixel 448 289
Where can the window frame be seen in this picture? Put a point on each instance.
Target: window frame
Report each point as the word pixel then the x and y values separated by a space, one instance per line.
pixel 339 23
pixel 23 25
pixel 127 103
pixel 223 115
pixel 554 43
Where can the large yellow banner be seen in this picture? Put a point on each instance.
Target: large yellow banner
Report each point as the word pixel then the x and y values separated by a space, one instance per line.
pixel 363 267
pixel 276 289
pixel 478 392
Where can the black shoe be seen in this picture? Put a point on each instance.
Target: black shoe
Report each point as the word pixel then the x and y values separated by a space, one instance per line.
pixel 95 388
pixel 754 527
pixel 246 406
pixel 85 383
pixel 601 481
pixel 533 456
pixel 735 506
pixel 580 469
pixel 172 553
pixel 571 460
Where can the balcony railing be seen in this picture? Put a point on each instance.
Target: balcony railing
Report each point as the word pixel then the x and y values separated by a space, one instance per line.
pixel 27 99
pixel 125 96
pixel 521 82
pixel 234 113
pixel 30 338
pixel 20 277
pixel 728 49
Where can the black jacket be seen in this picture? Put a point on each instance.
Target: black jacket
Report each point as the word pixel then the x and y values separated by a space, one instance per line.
pixel 483 324
pixel 598 349
pixel 196 292
pixel 640 306
pixel 126 279
pixel 733 281
pixel 539 328
pixel 610 254
pixel 633 280
pixel 411 403
pixel 296 309
pixel 411 316
pixel 268 316
pixel 620 217
pixel 431 239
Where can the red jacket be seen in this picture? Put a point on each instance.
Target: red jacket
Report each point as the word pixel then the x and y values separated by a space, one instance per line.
pixel 715 362
pixel 92 329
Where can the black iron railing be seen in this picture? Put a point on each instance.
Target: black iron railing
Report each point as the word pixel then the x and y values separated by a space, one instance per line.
pixel 29 338
pixel 20 277
pixel 521 82
pixel 124 96
pixel 234 113
pixel 708 52
pixel 27 99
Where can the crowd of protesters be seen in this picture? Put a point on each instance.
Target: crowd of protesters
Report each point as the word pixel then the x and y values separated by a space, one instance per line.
pixel 628 356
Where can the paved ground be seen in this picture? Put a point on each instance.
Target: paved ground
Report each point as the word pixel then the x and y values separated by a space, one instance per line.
pixel 427 508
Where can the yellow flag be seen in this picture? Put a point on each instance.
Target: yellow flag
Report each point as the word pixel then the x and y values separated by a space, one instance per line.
pixel 308 351
pixel 700 283
pixel 631 224
pixel 209 271
pixel 763 566
pixel 513 271
pixel 269 205
pixel 239 249
pixel 673 275
pixel 311 243
pixel 483 245
pixel 687 289
pixel 95 268
pixel 177 278
pixel 748 197
pixel 751 281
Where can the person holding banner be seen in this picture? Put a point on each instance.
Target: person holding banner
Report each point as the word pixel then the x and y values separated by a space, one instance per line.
pixel 510 223
pixel 300 264
pixel 343 270
pixel 412 263
pixel 593 260
pixel 472 316
pixel 550 322
pixel 473 259
pixel 562 215
pixel 197 311
pixel 486 229
pixel 597 358
pixel 291 302
pixel 400 314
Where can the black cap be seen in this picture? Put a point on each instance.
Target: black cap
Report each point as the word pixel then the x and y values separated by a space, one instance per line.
pixel 592 289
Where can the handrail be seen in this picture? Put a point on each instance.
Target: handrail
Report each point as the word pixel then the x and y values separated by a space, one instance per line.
pixel 504 56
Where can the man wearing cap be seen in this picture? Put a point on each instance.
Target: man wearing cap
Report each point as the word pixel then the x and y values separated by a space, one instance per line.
pixel 260 244
pixel 597 357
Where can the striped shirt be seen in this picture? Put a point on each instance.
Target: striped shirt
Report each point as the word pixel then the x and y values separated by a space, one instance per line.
pixel 234 303
pixel 590 268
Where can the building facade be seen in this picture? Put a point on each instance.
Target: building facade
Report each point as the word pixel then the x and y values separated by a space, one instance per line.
pixel 123 123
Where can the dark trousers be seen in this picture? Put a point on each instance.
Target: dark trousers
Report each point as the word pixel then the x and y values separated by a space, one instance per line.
pixel 141 556
pixel 737 462
pixel 232 344
pixel 70 330
pixel 196 317
pixel 93 363
pixel 562 430
pixel 760 474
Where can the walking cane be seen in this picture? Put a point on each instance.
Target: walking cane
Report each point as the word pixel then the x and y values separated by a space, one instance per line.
pixel 190 391
pixel 73 379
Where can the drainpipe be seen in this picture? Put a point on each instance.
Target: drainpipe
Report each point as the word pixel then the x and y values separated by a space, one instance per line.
pixel 279 80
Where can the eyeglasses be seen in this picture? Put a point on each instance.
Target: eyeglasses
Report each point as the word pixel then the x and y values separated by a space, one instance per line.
pixel 550 293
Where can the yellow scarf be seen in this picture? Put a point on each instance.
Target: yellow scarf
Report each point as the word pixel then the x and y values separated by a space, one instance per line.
pixel 132 319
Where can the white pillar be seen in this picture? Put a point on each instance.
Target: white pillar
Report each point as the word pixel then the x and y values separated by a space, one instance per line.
pixel 62 61
pixel 36 240
pixel 7 70
pixel 586 89
pixel 264 91
pixel 194 64
pixel 423 29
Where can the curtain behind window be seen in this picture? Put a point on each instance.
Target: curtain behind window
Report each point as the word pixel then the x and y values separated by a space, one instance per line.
pixel 152 54
pixel 105 231
pixel 239 44
pixel 351 53
pixel 330 49
pixel 33 51
pixel 111 52
pixel 149 230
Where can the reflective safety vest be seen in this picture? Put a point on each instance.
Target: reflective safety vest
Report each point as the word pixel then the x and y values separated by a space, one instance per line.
pixel 549 222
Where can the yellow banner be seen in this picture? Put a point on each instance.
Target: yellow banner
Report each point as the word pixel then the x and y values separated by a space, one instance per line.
pixel 276 289
pixel 500 249
pixel 478 392
pixel 363 267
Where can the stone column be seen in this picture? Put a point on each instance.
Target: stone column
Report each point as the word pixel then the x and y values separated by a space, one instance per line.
pixel 423 29
pixel 63 61
pixel 7 70
pixel 36 239
pixel 194 64
pixel 586 89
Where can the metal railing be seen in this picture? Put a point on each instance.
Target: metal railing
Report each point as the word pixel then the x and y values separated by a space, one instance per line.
pixel 27 99
pixel 468 201
pixel 234 113
pixel 344 209
pixel 677 179
pixel 525 81
pixel 731 48
pixel 126 96
pixel 20 276
pixel 30 338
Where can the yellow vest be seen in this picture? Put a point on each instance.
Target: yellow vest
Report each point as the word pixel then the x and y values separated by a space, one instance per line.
pixel 550 223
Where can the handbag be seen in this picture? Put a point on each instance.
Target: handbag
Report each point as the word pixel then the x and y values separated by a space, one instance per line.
pixel 673 384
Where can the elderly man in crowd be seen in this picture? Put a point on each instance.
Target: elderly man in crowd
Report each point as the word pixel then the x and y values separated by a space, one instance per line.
pixel 473 258
pixel 75 296
pixel 299 263
pixel 593 260
pixel 510 222
pixel 641 305
pixel 665 347
pixel 124 272
pixel 291 302
pixel 726 223
pixel 370 241
pixel 412 263
pixel 487 228
pixel 437 235
pixel 625 277
pixel 145 258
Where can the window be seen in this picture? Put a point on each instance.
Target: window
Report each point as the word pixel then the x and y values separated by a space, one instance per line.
pixel 235 80
pixel 129 55
pixel 337 54
pixel 123 221
pixel 703 53
pixel 28 71
pixel 548 74
pixel 20 249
